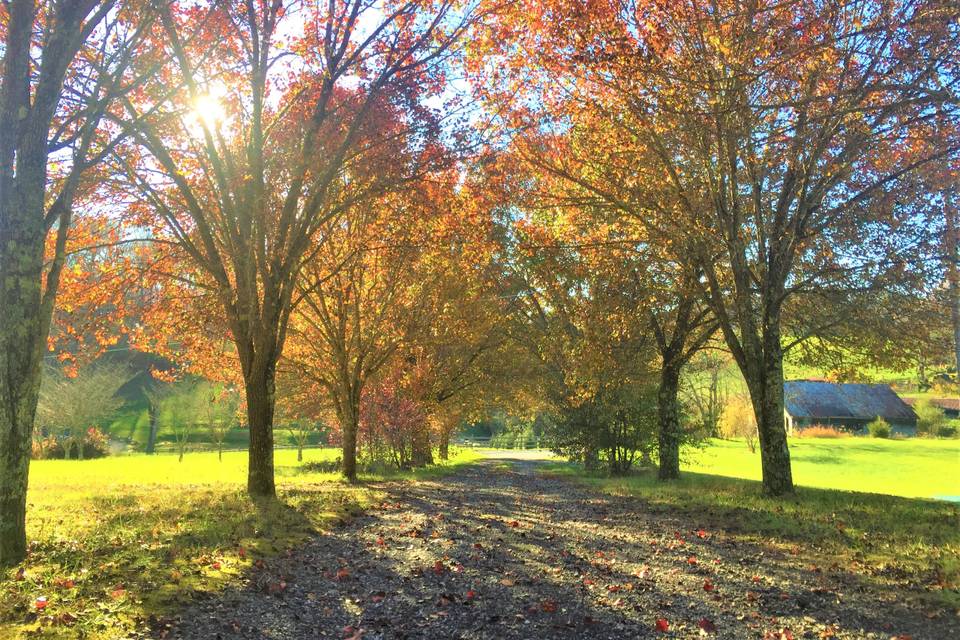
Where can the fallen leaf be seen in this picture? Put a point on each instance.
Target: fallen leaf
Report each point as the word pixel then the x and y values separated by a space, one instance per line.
pixel 549 606
pixel 343 573
pixel 41 603
pixel 471 594
pixel 507 582
pixel 662 625
pixel 706 626
pixel 352 633
pixel 707 585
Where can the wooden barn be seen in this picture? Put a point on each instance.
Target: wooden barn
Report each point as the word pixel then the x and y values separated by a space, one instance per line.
pixel 845 406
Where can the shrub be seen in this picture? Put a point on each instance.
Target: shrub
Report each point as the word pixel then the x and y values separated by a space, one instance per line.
pixel 610 429
pixel 739 421
pixel 822 431
pixel 323 466
pixel 947 431
pixel 47 448
pixel 93 443
pixel 930 417
pixel 879 428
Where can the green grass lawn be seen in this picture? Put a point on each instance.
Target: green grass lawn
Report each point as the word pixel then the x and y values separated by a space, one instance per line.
pixel 838 516
pixel 912 468
pixel 119 539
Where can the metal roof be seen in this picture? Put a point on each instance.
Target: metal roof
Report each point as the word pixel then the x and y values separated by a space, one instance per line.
pixel 813 399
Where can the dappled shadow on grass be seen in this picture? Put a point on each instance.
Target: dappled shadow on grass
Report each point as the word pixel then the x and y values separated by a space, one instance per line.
pixel 914 543
pixel 107 563
pixel 497 551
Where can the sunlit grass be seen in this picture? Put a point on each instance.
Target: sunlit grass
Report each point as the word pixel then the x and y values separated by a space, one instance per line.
pixel 912 468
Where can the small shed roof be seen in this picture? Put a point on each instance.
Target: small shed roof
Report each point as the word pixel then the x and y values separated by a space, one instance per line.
pixel 814 399
pixel 947 404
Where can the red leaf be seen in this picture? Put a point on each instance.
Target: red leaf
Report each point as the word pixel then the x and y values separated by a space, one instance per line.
pixel 471 594
pixel 701 533
pixel 707 625
pixel 707 585
pixel 242 553
pixel 343 573
pixel 215 566
pixel 21 573
pixel 381 542
pixel 438 567
pixel 692 560
pixel 41 603
pixel 662 625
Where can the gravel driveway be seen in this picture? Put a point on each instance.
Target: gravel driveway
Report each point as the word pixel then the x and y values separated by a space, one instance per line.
pixel 498 551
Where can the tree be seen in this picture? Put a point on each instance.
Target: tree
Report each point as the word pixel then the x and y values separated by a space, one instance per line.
pixel 219 412
pixel 778 142
pixel 364 295
pixel 87 400
pixel 58 78
pixel 707 393
pixel 738 421
pixel 254 156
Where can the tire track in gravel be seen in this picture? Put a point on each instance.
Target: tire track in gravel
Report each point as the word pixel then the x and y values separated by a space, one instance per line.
pixel 498 551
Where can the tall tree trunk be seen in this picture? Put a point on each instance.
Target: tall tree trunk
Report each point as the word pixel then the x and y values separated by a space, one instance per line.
pixel 260 390
pixel 152 416
pixel 299 452
pixel 766 393
pixel 422 451
pixel 22 334
pixel 349 423
pixel 952 256
pixel 444 445
pixel 668 416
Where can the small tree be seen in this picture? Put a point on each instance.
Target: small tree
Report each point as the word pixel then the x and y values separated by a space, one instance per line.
pixel 78 404
pixel 179 405
pixel 929 417
pixel 219 409
pixel 300 430
pixel 706 394
pixel 739 421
